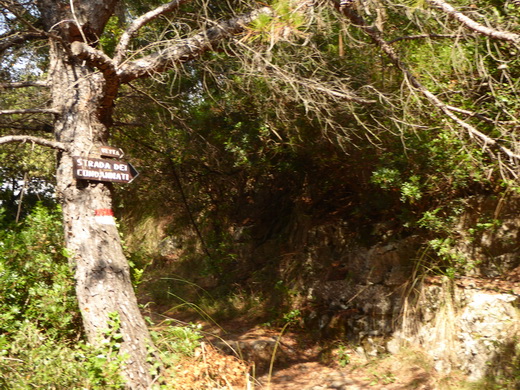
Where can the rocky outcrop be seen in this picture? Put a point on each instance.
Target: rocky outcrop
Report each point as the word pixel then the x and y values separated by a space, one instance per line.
pixel 363 296
pixel 462 328
pixel 381 297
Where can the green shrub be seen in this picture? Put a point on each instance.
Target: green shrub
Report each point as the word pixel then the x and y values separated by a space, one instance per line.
pixel 36 284
pixel 41 342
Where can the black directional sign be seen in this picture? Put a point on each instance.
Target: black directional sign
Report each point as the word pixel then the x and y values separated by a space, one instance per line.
pixel 103 170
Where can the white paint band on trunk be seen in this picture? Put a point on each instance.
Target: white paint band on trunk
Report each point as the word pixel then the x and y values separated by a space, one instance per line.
pixel 105 219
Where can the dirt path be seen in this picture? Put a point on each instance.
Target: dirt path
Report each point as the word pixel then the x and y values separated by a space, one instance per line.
pixel 238 350
pixel 301 364
pixel 316 376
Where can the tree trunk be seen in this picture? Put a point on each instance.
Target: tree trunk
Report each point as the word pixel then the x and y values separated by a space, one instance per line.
pixel 102 272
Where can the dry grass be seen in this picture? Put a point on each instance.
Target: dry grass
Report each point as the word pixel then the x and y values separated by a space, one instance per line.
pixel 209 369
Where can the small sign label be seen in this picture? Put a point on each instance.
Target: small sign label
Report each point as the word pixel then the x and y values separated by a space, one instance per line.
pixel 109 151
pixel 103 170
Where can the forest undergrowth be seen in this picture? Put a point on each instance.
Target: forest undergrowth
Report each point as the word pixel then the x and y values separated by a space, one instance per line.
pixel 42 345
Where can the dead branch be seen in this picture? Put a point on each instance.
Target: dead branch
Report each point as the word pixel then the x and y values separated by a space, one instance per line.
pixel 473 114
pixel 332 91
pixel 19 39
pixel 187 49
pixel 298 83
pixel 123 43
pixel 126 124
pixel 486 142
pixel 424 36
pixel 35 140
pixel 30 111
pixel 473 25
pixel 23 84
pixel 44 127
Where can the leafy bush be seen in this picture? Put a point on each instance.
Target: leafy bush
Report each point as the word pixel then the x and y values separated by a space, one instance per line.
pixel 31 359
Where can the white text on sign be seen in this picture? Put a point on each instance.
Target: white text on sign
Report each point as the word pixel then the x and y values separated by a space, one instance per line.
pixel 103 170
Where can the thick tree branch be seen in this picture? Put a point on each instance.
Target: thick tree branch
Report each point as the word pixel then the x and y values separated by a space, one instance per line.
pixel 30 111
pixel 473 25
pixel 104 63
pixel 187 49
pixel 124 41
pixel 182 51
pixel 23 84
pixel 35 140
pixel 486 141
pixel 94 57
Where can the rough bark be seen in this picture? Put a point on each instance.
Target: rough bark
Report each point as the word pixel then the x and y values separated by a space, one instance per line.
pixel 76 20
pixel 111 84
pixel 102 274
